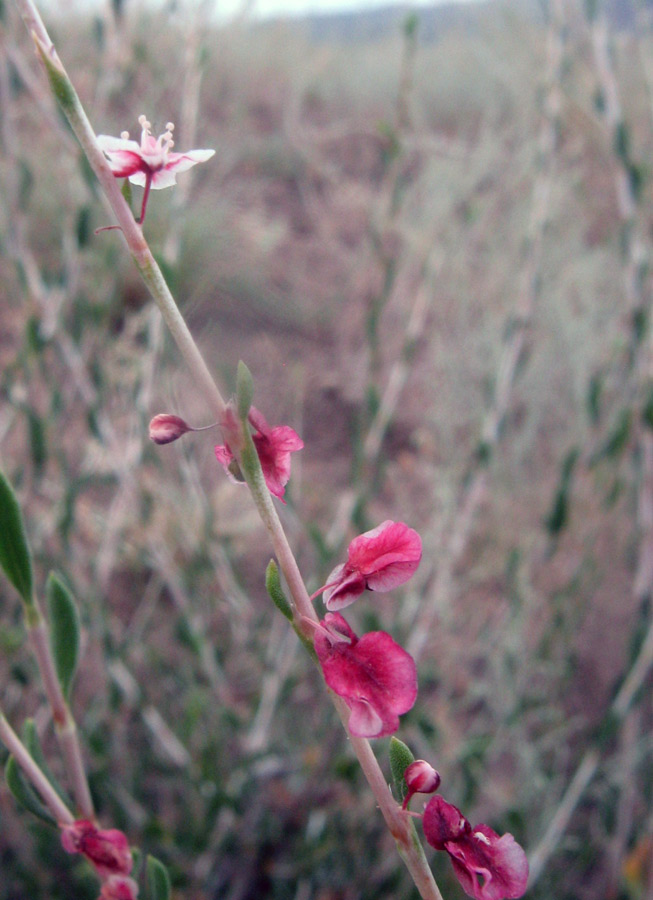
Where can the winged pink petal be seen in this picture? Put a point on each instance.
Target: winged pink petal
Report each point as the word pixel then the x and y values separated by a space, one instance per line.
pixel 274 446
pixel 379 560
pixel 488 866
pixel 374 675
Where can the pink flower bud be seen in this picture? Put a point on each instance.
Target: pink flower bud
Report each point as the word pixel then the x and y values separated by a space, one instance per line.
pixel 107 850
pixel 421 778
pixel 166 428
pixel 119 887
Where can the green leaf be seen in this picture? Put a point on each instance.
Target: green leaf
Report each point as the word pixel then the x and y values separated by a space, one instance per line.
pixel 15 557
pixel 400 758
pixel 64 630
pixel 158 880
pixel 244 390
pixel 32 742
pixel 274 589
pixel 37 441
pixel 23 792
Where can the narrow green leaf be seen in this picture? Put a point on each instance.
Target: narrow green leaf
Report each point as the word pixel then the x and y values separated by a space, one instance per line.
pixel 37 441
pixel 274 589
pixel 15 557
pixel 23 792
pixel 64 630
pixel 400 758
pixel 32 742
pixel 158 880
pixel 244 390
pixel 59 81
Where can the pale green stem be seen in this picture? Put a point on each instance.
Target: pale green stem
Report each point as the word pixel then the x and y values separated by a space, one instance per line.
pixel 396 819
pixel 34 773
pixel 65 727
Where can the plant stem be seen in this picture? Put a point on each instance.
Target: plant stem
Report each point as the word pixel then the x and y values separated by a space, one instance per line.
pixel 397 820
pixel 64 723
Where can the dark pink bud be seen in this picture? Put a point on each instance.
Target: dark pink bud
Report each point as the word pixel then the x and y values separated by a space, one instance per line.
pixel 376 678
pixel 273 445
pixel 488 866
pixel 107 850
pixel 379 560
pixel 421 778
pixel 119 887
pixel 166 428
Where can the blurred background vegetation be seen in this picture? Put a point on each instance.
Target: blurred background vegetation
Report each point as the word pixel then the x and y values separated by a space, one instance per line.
pixel 428 235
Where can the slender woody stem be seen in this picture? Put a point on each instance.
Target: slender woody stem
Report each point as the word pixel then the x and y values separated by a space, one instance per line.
pixel 65 727
pixel 397 820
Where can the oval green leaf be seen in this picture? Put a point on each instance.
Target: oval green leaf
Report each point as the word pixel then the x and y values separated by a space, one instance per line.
pixel 400 758
pixel 64 630
pixel 158 880
pixel 15 556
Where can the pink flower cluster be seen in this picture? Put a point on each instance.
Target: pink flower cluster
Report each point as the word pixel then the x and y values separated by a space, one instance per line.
pixel 375 677
pixel 488 866
pixel 109 854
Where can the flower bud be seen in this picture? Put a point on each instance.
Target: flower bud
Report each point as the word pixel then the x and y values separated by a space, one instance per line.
pixel 166 428
pixel 421 778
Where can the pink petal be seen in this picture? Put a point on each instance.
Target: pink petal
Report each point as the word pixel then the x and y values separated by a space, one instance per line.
pixel 487 866
pixel 347 588
pixel 274 448
pixel 113 144
pixel 181 162
pixel 387 555
pixel 224 455
pixel 374 675
pixel 365 722
pixel 443 822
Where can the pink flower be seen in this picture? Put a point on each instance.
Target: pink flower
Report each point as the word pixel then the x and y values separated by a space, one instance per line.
pixel 378 560
pixel 421 778
pixel 108 850
pixel 119 887
pixel 488 867
pixel 375 677
pixel 274 446
pixel 150 164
